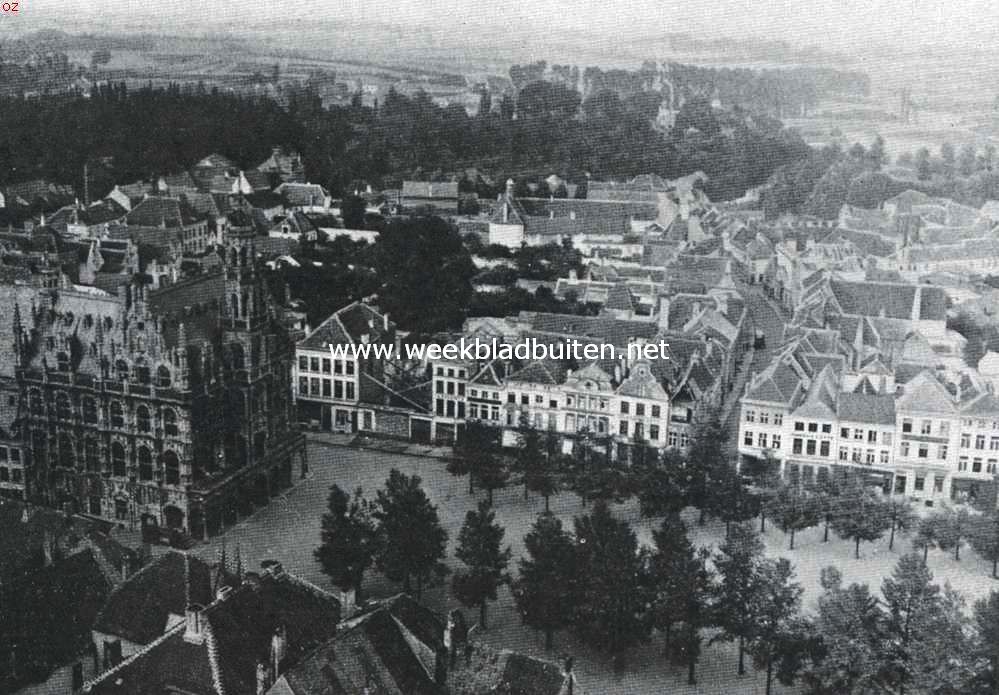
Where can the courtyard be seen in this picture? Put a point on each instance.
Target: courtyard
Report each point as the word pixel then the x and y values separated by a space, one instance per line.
pixel 288 530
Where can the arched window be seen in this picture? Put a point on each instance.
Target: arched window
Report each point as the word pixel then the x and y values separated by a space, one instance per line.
pixel 145 464
pixel 172 466
pixel 117 414
pixel 141 371
pixel 63 407
pixel 35 402
pixel 65 451
pixel 90 454
pixel 89 410
pixel 142 420
pixel 118 459
pixel 163 377
pixel 121 369
pixel 170 422
pixel 62 360
pixel 259 444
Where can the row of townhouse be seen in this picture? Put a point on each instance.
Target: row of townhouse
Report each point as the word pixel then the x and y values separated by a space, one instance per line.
pixel 623 399
pixel 926 433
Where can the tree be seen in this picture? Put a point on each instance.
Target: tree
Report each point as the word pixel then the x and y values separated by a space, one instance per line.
pixel 847 627
pixel 352 209
pixel 778 625
pixel 984 538
pixel 101 56
pixel 862 516
pixel 901 514
pixel 953 529
pixel 947 160
pixel 732 502
pixel 660 490
pixel 923 633
pixel 412 541
pixel 986 642
pixel 704 456
pixel 530 463
pixel 671 541
pixel 967 160
pixel 923 166
pixel 738 593
pixel 927 535
pixel 828 500
pixel 543 592
pixel 793 509
pixel 608 598
pixel 877 155
pixel 684 576
pixel 489 469
pixel 349 539
pixel 480 548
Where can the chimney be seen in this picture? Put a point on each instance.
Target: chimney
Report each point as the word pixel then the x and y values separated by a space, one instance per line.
pixel 348 603
pixel 917 301
pixel 279 649
pixel 664 313
pixel 47 546
pixel 385 318
pixel 223 593
pixel 509 189
pixel 193 628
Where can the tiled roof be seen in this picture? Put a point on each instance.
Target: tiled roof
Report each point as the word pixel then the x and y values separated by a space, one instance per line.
pixel 158 211
pixel 347 326
pixel 238 633
pixel 139 609
pixel 431 190
pixel 862 407
pixel 302 194
pixel 619 298
pixel 46 622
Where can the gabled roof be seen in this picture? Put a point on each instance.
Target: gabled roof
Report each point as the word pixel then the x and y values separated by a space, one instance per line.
pixel 641 383
pixel 347 327
pixel 302 194
pixel 446 190
pixel 139 610
pixel 924 393
pixel 159 211
pixel 619 298
pixel 539 372
pixel 871 409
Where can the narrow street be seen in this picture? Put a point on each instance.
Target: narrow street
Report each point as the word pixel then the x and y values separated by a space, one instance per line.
pixel 764 317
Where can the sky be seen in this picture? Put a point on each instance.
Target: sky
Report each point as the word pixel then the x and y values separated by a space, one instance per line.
pixel 833 24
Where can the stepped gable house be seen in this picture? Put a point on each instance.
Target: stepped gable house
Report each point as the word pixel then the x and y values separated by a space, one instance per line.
pixel 166 407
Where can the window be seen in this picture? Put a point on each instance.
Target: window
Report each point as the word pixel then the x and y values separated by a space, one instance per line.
pixel 145 464
pixel 965 441
pixel 823 448
pixel 655 411
pixel 869 457
pixel 938 482
pixel 926 427
pixel 640 410
pixel 461 392
pixel 944 429
pixel 89 410
pixel 884 456
pixel 512 398
pixel 624 429
pixel 920 483
pixel 778 419
pixel 844 432
pixel 337 389
pixel 65 451
pixel 303 363
pixel 907 425
pixel 810 447
pixel 303 386
pixel 625 408
pixel 796 446
pixel 314 387
pixel 171 468
pixel 942 452
pixel 962 463
pixel 775 441
pixel 826 428
pixel 813 427
pixel 980 442
pixel 327 389
pixel 118 459
pixel 170 422
pixel 338 368
pixel 671 438
pixel 326 365
pixel 991 466
pixel 350 390
pixel 117 414
pixel 764 418
pixel 163 377
pixel 62 360
pixel 142 371
pixel 639 430
pixel 905 449
pixel 858 434
pixel 313 364
pixel 654 432
pixel 924 450
pixel 63 408
pixel 35 402
pixel 747 438
pixel 349 366
pixel 976 465
pixel 872 436
pixel 449 388
pixel 552 403
pixel 994 443
pixel 799 426
pixel 886 438
pixel 142 419
pixel 761 440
